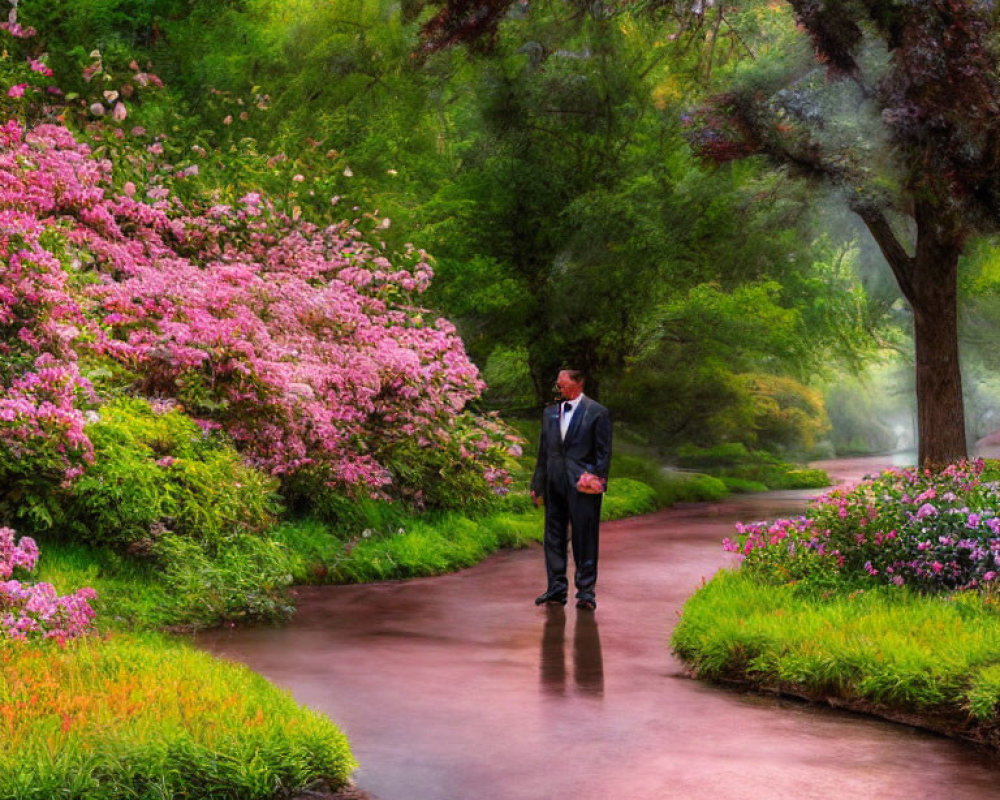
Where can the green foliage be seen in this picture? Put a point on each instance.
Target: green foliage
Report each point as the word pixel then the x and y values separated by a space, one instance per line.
pixel 432 544
pixel 130 717
pixel 438 477
pixel 742 485
pixel 889 646
pixel 159 472
pixel 626 497
pixel 245 577
pixel 162 491
pixel 701 380
pixel 182 586
pixel 425 476
pixel 733 460
pixel 390 543
pixel 669 486
pixel 130 592
pixel 308 494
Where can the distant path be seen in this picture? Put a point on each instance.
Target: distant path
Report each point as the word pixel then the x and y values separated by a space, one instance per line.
pixel 458 688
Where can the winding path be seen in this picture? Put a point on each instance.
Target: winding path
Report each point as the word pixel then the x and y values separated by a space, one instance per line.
pixel 458 688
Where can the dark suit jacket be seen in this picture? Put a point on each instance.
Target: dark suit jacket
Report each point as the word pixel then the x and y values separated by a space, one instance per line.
pixel 587 447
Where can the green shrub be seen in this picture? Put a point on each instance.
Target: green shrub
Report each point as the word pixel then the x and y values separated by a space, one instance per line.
pixel 800 479
pixel 691 456
pixel 244 577
pixel 162 491
pixel 309 495
pixel 436 476
pixel 669 486
pixel 626 497
pixel 733 460
pixel 158 472
pixel 742 484
pixel 698 488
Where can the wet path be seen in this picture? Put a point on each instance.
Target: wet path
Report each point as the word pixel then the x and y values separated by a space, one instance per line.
pixel 458 688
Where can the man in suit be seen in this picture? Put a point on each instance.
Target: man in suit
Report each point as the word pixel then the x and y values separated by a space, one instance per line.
pixel 575 441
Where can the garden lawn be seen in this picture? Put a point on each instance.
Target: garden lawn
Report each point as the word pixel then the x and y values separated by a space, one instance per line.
pixel 143 717
pixel 931 660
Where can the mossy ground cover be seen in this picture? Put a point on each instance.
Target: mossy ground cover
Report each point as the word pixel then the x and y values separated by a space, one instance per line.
pixel 142 716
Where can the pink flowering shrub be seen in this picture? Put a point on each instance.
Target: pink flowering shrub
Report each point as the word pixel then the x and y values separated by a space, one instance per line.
pixel 305 344
pixel 34 610
pixel 929 530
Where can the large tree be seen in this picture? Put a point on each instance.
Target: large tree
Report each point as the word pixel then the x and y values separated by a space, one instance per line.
pixel 895 102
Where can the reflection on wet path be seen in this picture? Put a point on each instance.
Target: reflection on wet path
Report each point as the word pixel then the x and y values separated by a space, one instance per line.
pixel 588 664
pixel 459 688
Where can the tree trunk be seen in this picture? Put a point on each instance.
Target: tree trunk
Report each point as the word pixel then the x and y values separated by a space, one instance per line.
pixel 940 411
pixel 929 282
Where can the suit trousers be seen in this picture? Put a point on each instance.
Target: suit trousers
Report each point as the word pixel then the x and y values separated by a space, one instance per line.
pixel 571 516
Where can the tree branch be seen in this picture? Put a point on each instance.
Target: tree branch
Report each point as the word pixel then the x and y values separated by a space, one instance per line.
pixel 885 237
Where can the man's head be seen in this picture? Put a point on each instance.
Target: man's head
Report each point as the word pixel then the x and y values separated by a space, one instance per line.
pixel 570 383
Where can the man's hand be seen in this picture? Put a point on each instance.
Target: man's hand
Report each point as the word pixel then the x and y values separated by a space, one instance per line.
pixel 537 499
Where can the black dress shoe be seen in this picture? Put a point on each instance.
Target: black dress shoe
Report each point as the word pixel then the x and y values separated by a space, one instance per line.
pixel 587 603
pixel 551 598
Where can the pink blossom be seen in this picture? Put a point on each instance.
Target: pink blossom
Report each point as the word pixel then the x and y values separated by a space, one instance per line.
pixel 35 609
pixel 40 67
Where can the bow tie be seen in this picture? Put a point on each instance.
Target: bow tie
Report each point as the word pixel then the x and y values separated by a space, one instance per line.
pixel 567 407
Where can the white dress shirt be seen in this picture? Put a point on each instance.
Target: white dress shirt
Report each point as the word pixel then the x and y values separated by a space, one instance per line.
pixel 565 417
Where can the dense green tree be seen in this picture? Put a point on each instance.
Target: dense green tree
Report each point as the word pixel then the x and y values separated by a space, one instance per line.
pixel 578 211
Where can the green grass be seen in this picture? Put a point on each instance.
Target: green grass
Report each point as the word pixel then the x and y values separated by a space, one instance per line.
pixel 427 545
pixel 190 592
pixel 130 593
pixel 432 544
pixel 742 485
pixel 669 486
pixel 889 646
pixel 746 470
pixel 147 718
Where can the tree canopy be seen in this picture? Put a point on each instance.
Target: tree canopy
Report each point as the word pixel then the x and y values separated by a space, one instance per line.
pixel 896 104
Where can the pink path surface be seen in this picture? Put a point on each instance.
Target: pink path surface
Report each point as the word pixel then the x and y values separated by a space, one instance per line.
pixel 459 688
